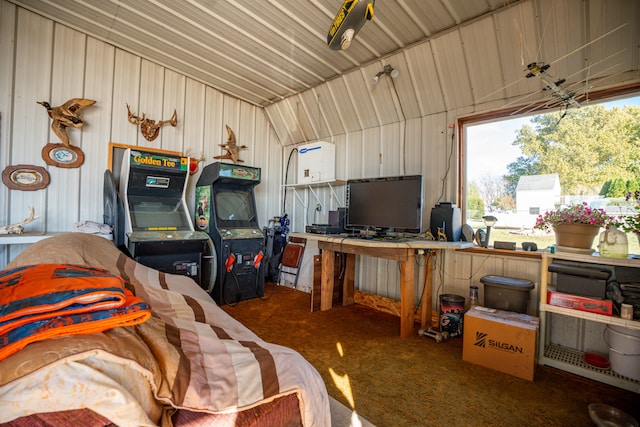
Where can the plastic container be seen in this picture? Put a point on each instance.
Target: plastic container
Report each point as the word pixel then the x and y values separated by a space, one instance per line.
pixel 473 298
pixel 613 243
pixel 506 293
pixel 451 314
pixel 624 350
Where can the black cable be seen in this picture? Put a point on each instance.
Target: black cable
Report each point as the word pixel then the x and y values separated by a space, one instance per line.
pixel 223 282
pixel 286 178
pixel 237 299
pixel 446 173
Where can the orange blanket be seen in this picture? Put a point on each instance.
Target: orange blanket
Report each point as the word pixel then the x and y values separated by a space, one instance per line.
pixel 50 300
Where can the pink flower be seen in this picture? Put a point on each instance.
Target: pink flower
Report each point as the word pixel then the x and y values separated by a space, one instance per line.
pixel 575 214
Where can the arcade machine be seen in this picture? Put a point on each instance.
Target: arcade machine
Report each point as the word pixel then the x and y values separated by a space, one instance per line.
pixel 226 210
pixel 158 231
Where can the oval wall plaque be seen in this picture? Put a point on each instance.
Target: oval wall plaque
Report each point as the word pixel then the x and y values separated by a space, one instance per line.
pixel 25 177
pixel 62 156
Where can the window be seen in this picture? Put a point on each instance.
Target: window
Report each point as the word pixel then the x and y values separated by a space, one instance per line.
pixel 517 168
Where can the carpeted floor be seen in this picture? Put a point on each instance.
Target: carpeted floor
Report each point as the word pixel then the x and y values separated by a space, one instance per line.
pixel 415 381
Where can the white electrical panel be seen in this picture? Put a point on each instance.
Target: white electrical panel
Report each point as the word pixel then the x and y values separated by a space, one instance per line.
pixel 316 162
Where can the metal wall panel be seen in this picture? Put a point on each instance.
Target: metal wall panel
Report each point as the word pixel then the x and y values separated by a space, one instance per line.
pixel 173 91
pixel 98 86
pixel 480 49
pixel 391 150
pixel 517 43
pixel 452 69
pixel 426 79
pixel 344 104
pixel 7 47
pixel 403 92
pixel 357 88
pixel 50 62
pixel 126 91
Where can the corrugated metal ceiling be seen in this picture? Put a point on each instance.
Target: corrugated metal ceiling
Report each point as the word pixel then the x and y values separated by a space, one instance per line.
pixel 260 51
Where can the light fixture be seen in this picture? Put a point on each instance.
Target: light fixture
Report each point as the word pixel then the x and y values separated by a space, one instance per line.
pixel 347 37
pixel 489 221
pixel 387 70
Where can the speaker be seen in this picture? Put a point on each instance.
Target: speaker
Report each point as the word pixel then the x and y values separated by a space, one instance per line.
pixel 448 217
pixel 336 218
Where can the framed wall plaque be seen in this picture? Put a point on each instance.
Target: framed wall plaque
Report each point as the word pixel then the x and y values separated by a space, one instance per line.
pixel 25 177
pixel 62 156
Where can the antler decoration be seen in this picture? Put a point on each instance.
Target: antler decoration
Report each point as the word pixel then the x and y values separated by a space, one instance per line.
pixel 149 128
pixel 193 162
pixel 17 227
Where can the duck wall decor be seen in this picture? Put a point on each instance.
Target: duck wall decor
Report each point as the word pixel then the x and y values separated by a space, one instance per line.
pixel 149 128
pixel 233 149
pixel 66 115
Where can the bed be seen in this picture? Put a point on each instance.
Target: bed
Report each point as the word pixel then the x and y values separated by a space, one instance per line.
pixel 189 364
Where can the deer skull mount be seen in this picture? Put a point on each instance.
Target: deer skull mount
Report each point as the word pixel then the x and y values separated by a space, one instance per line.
pixel 149 128
pixel 18 228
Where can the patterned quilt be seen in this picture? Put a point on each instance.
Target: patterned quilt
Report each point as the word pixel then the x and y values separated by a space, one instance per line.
pixel 190 354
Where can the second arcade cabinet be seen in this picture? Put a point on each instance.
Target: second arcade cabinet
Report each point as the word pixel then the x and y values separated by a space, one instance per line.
pixel 226 210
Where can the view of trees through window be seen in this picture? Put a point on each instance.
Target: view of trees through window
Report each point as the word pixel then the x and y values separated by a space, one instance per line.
pixel 518 168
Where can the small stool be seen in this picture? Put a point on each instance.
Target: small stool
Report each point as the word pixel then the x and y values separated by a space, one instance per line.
pixel 506 293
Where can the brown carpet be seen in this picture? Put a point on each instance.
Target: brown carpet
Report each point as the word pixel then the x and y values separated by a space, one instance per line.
pixel 416 381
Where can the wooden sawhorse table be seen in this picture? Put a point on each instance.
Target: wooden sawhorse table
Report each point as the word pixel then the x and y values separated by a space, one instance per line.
pixel 403 251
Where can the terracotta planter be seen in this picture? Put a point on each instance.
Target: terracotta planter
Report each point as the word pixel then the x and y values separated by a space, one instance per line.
pixel 576 235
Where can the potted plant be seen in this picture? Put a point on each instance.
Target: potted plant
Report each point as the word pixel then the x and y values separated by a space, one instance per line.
pixel 574 226
pixel 631 223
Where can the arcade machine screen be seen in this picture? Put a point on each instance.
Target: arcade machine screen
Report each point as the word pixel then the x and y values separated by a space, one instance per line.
pixel 147 213
pixel 234 208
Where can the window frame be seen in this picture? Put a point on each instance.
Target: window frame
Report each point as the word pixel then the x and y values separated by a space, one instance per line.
pixel 600 96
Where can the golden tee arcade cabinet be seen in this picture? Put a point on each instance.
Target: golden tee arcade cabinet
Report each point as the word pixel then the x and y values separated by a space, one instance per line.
pixel 158 228
pixel 226 210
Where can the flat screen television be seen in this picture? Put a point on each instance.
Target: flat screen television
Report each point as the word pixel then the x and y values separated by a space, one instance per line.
pixel 386 204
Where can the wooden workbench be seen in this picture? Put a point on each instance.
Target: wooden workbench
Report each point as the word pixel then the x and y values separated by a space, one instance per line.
pixel 400 250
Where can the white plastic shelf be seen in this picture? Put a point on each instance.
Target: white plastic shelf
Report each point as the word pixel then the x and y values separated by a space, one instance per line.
pixel 571 360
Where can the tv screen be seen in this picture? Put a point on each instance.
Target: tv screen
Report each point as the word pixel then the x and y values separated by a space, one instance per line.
pixel 385 204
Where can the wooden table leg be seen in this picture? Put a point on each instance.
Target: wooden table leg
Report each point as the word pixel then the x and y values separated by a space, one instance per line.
pixel 406 295
pixel 427 293
pixel 348 283
pixel 326 286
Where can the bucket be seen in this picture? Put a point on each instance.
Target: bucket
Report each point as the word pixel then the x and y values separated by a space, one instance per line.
pixel 451 312
pixel 624 350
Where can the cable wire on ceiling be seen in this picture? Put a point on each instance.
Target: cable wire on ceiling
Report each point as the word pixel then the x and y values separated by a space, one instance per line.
pixel 286 179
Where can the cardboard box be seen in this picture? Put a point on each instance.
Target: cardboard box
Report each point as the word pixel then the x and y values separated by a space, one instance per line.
pixel 577 302
pixel 502 340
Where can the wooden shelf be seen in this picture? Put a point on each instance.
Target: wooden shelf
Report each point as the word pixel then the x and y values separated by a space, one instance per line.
pixel 24 238
pixel 316 183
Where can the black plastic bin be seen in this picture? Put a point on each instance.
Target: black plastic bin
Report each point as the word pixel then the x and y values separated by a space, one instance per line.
pixel 506 293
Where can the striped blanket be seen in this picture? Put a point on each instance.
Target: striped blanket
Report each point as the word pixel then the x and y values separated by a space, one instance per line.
pixel 51 300
pixel 189 355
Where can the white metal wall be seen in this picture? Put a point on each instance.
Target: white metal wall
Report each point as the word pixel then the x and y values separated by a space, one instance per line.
pixel 43 61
